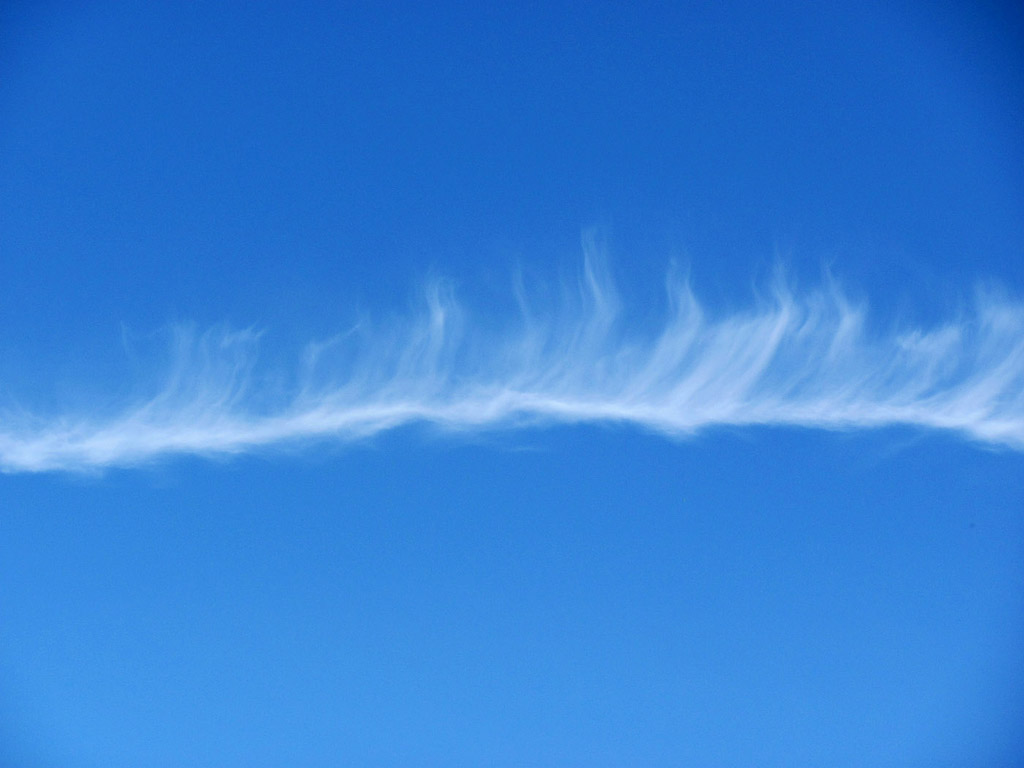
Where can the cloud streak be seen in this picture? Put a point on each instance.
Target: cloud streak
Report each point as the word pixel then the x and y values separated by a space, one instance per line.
pixel 800 359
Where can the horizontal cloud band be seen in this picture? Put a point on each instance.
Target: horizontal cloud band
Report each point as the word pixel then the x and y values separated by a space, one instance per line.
pixel 805 360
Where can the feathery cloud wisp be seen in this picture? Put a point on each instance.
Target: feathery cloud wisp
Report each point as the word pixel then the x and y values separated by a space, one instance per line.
pixel 806 359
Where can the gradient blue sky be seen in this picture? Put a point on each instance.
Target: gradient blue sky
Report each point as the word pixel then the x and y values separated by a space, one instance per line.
pixel 345 418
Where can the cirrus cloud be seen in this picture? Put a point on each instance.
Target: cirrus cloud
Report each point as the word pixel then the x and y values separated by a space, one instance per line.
pixel 803 358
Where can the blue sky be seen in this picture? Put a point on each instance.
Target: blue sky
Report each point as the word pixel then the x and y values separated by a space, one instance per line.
pixel 524 385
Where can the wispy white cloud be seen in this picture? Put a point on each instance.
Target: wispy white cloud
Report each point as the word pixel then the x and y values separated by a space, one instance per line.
pixel 795 358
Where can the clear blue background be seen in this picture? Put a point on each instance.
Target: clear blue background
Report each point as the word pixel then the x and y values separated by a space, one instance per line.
pixel 572 596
